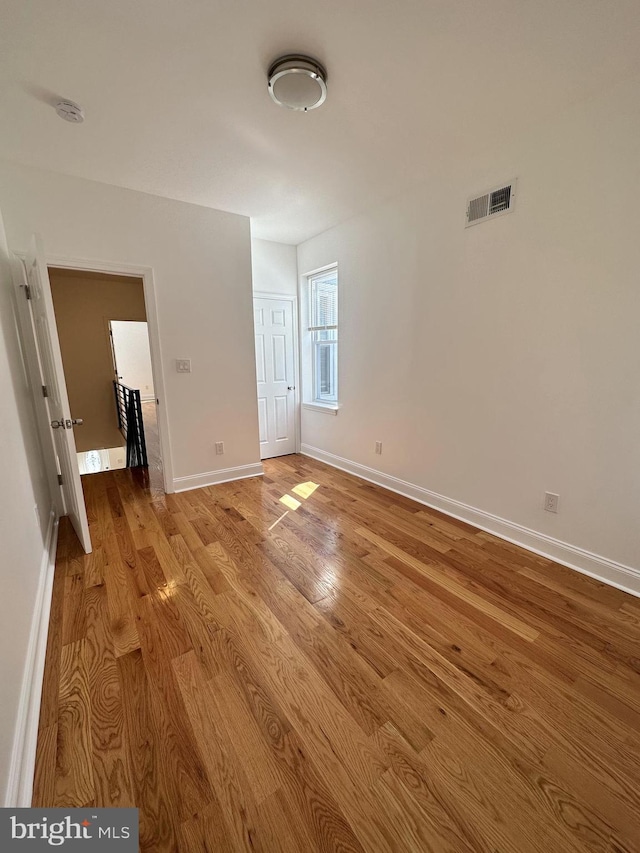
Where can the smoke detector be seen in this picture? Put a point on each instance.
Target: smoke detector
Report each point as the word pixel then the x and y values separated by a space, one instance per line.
pixel 297 82
pixel 70 111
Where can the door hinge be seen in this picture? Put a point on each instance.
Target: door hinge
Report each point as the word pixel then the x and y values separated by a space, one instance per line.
pixel 60 480
pixel 27 291
pixel 45 392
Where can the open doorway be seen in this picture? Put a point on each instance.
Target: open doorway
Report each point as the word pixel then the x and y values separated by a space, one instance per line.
pixel 96 314
pixel 39 324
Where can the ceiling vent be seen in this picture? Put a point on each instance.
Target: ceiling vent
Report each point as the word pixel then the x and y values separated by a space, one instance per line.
pixel 494 202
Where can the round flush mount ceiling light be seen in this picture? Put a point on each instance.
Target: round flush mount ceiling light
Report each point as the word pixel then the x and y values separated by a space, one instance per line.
pixel 297 82
pixel 70 111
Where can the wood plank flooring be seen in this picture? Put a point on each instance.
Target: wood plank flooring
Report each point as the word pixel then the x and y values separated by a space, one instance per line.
pixel 358 674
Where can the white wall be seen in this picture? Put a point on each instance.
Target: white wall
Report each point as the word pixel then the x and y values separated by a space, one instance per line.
pixel 274 267
pixel 24 515
pixel 201 260
pixel 133 356
pixel 502 361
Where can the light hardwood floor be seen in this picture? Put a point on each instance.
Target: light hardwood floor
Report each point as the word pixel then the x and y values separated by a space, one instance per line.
pixel 367 674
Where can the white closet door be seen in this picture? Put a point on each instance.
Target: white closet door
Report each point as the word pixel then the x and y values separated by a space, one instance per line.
pixel 275 360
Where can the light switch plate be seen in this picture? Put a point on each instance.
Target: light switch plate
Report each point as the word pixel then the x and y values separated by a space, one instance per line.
pixel 183 365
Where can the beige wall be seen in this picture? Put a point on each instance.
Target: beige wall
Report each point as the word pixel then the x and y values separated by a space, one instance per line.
pixel 84 303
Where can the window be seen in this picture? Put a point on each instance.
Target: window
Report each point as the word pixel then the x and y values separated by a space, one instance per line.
pixel 323 337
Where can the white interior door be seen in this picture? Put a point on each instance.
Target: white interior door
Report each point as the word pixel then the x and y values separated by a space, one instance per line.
pixel 48 345
pixel 276 376
pixel 132 356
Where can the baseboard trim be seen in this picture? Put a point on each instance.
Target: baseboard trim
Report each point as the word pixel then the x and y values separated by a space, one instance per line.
pixel 598 567
pixel 212 478
pixel 23 759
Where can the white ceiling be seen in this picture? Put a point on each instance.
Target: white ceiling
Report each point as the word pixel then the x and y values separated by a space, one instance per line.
pixel 176 101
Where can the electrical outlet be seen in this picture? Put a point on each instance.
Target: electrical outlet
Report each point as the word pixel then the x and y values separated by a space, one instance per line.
pixel 551 501
pixel 183 365
pixel 219 448
pixel 379 448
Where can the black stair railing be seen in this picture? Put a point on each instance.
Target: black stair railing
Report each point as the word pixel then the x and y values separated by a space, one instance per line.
pixel 129 408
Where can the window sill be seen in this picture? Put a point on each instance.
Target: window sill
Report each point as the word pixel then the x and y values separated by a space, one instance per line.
pixel 327 408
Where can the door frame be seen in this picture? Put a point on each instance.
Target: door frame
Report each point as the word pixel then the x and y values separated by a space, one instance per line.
pixel 151 309
pixel 261 294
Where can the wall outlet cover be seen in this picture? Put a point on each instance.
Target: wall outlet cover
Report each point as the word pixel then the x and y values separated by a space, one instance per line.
pixel 551 501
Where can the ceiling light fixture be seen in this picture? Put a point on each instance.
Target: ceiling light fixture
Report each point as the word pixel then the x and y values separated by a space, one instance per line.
pixel 70 111
pixel 297 82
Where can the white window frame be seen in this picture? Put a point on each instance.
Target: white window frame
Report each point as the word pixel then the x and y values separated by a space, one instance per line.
pixel 310 399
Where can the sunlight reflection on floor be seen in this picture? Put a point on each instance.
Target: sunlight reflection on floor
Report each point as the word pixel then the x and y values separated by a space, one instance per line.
pixel 303 490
